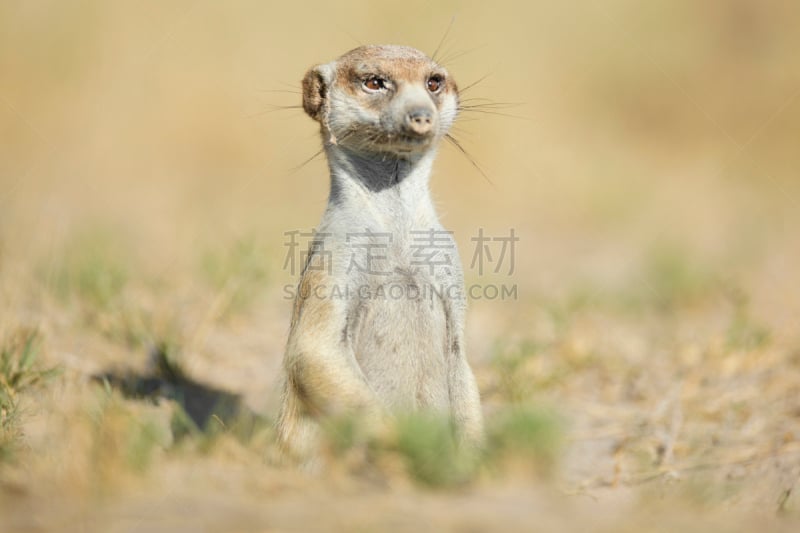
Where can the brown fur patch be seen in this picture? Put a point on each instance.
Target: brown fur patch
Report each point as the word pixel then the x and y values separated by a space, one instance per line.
pixel 397 63
pixel 311 305
pixel 314 93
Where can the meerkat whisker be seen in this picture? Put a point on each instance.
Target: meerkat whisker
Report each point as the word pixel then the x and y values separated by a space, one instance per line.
pixel 475 83
pixel 452 140
pixel 448 59
pixel 274 109
pixel 488 102
pixel 476 99
pixel 444 38
pixel 491 105
pixel 497 113
pixel 318 153
pixel 296 169
pixel 280 91
pixel 461 131
pixel 289 85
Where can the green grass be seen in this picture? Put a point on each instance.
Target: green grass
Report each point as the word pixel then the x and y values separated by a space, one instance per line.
pixel 91 274
pixel 427 447
pixel 673 277
pixel 237 273
pixel 95 278
pixel 246 428
pixel 430 451
pixel 343 433
pixel 744 332
pixel 92 269
pixel 508 363
pixel 124 435
pixel 522 368
pixel 19 372
pixel 525 434
pixel 668 277
pixel 515 435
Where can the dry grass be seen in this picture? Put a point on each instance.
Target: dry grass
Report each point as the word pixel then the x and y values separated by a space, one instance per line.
pixel 647 377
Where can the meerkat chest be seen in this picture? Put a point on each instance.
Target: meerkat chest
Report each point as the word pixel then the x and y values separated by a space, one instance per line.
pixel 399 336
pixel 398 320
pixel 415 256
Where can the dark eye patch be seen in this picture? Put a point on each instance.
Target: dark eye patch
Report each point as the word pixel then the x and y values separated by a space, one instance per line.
pixel 435 83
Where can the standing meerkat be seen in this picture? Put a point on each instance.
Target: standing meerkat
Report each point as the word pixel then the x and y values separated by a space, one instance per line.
pixel 378 320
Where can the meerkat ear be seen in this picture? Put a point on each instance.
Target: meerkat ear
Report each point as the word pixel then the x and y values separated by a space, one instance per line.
pixel 315 90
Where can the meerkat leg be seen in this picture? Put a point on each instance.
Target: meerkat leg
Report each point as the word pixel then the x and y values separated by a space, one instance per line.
pixel 327 379
pixel 319 362
pixel 466 403
pixel 298 432
pixel 323 377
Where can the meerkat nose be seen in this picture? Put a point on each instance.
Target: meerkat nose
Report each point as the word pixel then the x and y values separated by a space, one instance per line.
pixel 419 120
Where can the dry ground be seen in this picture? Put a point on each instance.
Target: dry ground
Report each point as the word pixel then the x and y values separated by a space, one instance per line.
pixel 646 377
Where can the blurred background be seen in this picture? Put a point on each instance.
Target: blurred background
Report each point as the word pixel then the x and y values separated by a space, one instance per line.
pixel 646 155
pixel 635 126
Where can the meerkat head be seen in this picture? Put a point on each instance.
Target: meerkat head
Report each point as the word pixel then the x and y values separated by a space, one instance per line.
pixel 383 99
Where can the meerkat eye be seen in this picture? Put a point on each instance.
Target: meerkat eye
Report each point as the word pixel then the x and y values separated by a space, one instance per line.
pixel 374 83
pixel 435 83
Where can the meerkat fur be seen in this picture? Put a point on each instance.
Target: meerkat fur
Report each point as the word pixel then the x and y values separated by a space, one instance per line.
pixel 354 347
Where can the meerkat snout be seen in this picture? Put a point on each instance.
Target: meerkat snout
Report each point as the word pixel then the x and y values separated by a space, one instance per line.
pixel 419 121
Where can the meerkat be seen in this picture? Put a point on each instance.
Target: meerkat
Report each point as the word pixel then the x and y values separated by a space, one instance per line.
pixel 377 327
